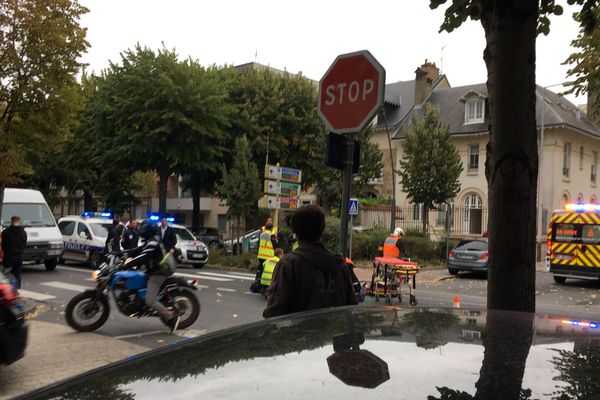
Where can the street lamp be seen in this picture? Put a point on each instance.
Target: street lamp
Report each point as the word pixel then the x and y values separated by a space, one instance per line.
pixel 541 159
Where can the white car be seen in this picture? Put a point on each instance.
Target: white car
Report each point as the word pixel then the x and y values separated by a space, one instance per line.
pixel 84 236
pixel 189 249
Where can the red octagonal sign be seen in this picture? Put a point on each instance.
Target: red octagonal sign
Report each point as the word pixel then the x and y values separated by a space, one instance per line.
pixel 351 92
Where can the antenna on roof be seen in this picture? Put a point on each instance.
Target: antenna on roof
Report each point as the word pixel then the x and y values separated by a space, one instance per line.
pixel 442 60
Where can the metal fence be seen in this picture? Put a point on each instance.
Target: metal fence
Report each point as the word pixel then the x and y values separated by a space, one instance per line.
pixel 461 221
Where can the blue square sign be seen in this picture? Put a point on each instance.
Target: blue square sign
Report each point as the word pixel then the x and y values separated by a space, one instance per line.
pixel 353 207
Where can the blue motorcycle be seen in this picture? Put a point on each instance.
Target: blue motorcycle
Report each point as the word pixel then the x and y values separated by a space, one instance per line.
pixel 89 310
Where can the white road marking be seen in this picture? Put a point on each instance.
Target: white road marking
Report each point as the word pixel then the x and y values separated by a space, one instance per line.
pixel 190 333
pixel 226 289
pixel 208 278
pixel 230 276
pixel 253 294
pixel 35 295
pixel 136 335
pixel 67 286
pixel 87 271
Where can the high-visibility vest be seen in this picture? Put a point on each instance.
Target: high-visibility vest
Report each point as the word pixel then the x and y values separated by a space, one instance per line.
pixel 269 269
pixel 273 231
pixel 265 247
pixel 295 245
pixel 389 247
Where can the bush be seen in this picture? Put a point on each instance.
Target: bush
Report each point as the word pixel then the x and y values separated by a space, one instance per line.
pixel 413 232
pixel 365 245
pixel 331 236
pixel 246 261
pixel 422 250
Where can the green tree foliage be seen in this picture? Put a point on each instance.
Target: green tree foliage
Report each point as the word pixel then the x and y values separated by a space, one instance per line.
pixel 431 164
pixel 155 112
pixel 241 187
pixel 512 154
pixel 585 63
pixel 40 44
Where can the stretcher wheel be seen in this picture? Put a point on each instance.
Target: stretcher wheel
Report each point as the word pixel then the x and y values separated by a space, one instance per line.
pixel 413 300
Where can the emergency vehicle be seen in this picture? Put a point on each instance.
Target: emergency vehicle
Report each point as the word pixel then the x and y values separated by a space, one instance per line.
pixel 574 242
pixel 84 236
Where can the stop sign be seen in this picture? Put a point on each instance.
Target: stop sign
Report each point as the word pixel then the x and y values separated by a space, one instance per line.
pixel 351 92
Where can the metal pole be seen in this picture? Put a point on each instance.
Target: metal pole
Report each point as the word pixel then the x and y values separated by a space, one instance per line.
pixel 350 242
pixel 540 168
pixel 393 167
pixel 343 249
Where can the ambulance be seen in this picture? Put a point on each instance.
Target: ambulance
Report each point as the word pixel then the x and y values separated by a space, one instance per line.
pixel 574 242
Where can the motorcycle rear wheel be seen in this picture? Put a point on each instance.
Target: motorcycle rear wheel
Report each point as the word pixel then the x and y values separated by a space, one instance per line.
pixel 186 306
pixel 85 307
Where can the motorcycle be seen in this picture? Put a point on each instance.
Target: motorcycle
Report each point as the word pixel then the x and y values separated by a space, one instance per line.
pixel 89 310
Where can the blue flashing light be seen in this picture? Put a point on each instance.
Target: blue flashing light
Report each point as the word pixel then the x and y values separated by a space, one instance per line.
pixel 154 218
pixel 170 219
pixel 583 207
pixel 106 215
pixel 593 325
pixel 87 214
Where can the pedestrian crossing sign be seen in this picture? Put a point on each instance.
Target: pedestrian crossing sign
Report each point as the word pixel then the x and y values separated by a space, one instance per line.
pixel 353 207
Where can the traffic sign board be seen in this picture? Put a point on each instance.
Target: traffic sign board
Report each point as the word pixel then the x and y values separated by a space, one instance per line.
pixel 280 202
pixel 353 207
pixel 283 173
pixel 351 92
pixel 282 188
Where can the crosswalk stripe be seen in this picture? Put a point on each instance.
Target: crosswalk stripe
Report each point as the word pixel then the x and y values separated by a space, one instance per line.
pixel 67 286
pixel 226 289
pixel 230 276
pixel 35 295
pixel 208 278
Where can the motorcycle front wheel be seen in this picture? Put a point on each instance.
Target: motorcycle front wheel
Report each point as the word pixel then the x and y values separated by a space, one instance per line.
pixel 87 312
pixel 186 306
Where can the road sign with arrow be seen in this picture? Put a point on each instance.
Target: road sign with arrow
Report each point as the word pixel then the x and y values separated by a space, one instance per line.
pixel 283 174
pixel 282 188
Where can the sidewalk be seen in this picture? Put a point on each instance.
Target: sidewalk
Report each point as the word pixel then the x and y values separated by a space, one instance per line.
pixel 54 352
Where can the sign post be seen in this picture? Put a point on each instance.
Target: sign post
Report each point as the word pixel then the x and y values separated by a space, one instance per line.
pixel 350 94
pixel 352 210
pixel 282 189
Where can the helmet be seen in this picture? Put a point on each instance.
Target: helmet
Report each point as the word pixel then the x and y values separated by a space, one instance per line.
pixel 148 229
pixel 398 232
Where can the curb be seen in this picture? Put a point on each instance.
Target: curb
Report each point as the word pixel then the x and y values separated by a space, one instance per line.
pixel 444 278
pixel 29 306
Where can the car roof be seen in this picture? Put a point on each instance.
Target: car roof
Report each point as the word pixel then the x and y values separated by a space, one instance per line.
pixel 82 219
pixel 308 354
pixel 14 195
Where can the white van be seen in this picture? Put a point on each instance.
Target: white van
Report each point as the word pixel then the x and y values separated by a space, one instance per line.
pixel 44 241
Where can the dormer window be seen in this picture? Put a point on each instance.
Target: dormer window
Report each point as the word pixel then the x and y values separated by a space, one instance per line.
pixel 474 107
pixel 475 111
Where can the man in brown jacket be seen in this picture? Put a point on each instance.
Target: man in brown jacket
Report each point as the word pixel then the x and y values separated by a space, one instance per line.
pixel 310 277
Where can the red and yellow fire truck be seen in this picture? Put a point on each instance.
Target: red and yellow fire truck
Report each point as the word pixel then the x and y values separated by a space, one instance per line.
pixel 574 242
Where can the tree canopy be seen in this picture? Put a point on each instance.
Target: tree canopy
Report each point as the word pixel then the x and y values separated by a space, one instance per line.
pixel 431 164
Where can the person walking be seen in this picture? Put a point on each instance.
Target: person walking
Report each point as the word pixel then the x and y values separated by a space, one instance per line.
pixel 14 240
pixel 130 237
pixel 266 250
pixel 269 269
pixel 167 235
pixel 310 277
pixel 114 236
pixel 393 245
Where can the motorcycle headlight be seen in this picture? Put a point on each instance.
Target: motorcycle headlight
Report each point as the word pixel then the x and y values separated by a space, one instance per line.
pixel 56 245
pixel 95 275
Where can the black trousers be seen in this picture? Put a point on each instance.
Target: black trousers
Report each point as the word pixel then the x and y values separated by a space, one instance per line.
pixel 14 264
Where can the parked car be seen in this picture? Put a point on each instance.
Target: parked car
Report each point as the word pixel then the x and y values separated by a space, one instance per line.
pixel 13 327
pixel 234 246
pixel 211 236
pixel 353 351
pixel 85 236
pixel 469 255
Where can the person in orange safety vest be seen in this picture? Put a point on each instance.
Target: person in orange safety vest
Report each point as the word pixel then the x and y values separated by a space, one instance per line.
pixel 393 246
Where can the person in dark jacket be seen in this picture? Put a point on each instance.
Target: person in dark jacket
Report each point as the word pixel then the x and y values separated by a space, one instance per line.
pixel 149 256
pixel 114 236
pixel 167 234
pixel 310 277
pixel 130 237
pixel 14 239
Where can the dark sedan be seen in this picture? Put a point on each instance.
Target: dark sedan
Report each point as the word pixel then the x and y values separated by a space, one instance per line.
pixel 13 328
pixel 210 236
pixel 366 352
pixel 469 255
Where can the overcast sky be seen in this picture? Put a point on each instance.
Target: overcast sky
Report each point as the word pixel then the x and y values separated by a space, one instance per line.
pixel 307 35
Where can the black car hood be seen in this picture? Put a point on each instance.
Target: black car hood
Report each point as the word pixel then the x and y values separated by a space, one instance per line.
pixel 405 353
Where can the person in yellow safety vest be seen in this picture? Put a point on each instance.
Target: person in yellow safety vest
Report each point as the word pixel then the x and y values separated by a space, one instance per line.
pixel 393 246
pixel 266 250
pixel 269 269
pixel 273 229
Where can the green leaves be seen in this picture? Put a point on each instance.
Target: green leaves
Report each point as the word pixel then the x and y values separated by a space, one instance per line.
pixel 431 164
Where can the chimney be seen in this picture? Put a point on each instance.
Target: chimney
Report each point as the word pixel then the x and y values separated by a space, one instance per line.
pixel 424 77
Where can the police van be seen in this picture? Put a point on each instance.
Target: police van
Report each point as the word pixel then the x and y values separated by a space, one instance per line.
pixel 84 236
pixel 574 242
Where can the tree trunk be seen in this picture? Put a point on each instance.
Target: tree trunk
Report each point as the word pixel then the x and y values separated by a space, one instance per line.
pixel 88 201
pixel 512 159
pixel 163 176
pixel 195 209
pixel 425 218
pixel 239 233
pixel 2 187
